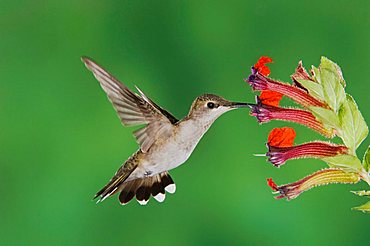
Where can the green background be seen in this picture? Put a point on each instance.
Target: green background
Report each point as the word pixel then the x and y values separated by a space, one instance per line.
pixel 60 139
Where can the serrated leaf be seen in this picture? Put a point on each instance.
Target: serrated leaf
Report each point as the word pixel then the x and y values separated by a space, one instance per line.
pixel 326 116
pixel 332 66
pixel 366 160
pixel 347 163
pixel 332 88
pixel 364 208
pixel 314 89
pixel 362 192
pixel 353 126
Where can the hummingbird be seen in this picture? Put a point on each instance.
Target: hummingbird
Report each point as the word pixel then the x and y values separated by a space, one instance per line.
pixel 165 142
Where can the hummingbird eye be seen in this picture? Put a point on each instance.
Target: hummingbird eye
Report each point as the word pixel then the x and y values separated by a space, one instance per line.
pixel 210 105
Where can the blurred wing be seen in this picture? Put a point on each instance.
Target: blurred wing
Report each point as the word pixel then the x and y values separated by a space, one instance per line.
pixel 134 109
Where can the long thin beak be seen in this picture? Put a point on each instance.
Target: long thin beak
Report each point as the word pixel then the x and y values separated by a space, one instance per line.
pixel 239 105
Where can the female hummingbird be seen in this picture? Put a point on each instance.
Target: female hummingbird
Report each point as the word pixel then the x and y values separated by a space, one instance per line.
pixel 165 142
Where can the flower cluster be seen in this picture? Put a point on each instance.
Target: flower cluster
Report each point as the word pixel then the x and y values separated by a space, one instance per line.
pixel 324 107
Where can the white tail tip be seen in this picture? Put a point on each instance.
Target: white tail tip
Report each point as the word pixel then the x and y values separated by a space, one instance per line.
pixel 160 197
pixel 143 202
pixel 170 188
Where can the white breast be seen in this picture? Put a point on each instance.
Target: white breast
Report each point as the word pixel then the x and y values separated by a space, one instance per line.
pixel 177 149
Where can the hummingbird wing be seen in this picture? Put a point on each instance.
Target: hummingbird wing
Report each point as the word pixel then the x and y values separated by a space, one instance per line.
pixel 134 109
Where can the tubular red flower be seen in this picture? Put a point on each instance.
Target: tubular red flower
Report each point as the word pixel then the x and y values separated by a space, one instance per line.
pixel 266 113
pixel 261 83
pixel 322 177
pixel 279 155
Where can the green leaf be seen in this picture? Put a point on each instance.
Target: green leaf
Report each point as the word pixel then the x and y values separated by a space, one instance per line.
pixel 326 116
pixel 316 74
pixel 364 208
pixel 366 160
pixel 347 163
pixel 329 75
pixel 332 66
pixel 353 126
pixel 333 90
pixel 362 192
pixel 314 89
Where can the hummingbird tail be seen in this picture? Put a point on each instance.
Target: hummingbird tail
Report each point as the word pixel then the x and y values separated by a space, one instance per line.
pixel 114 184
pixel 156 186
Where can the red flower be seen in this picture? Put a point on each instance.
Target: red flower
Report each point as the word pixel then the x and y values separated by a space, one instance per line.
pixel 318 149
pixel 280 147
pixel 265 113
pixel 300 96
pixel 261 67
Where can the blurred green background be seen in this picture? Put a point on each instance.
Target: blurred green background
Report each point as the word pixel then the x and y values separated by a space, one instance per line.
pixel 61 140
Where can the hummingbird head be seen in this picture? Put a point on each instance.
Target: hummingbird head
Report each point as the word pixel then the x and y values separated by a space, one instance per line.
pixel 209 107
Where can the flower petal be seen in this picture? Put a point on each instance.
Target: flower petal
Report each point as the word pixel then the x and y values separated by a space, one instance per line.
pixel 271 98
pixel 272 184
pixel 281 137
pixel 261 67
